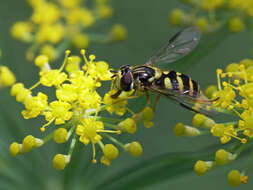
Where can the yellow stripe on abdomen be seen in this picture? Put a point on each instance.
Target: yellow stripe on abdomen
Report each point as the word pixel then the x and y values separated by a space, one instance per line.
pixel 168 83
pixel 180 83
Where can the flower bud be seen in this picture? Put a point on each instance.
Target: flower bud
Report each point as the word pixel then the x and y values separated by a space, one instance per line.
pixel 60 161
pixel 61 135
pixel 110 151
pixel 15 149
pixel 201 167
pixel 134 148
pixel 182 130
pixel 223 157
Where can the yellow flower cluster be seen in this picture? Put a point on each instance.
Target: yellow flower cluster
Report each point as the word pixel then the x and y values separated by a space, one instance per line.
pixel 234 95
pixel 56 25
pixel 77 111
pixel 210 15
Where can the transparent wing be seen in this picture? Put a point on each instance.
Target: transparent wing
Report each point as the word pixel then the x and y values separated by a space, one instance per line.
pixel 199 104
pixel 178 46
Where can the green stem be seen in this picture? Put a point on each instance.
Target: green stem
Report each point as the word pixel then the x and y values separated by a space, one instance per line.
pixel 100 143
pixel 115 141
pixel 48 137
pixel 111 126
pixel 108 119
pixel 72 145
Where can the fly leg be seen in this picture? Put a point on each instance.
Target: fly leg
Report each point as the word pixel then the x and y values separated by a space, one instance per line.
pixel 148 98
pixel 156 102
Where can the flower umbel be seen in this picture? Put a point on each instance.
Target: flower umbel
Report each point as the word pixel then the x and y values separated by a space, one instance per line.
pixel 233 95
pixel 77 111
pixel 65 24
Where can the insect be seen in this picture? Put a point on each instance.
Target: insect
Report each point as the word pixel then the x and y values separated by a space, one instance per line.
pixel 174 85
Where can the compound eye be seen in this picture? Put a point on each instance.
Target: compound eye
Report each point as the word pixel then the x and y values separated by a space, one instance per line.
pixel 126 81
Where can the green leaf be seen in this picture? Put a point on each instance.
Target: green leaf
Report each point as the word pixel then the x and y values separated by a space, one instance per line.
pixel 156 170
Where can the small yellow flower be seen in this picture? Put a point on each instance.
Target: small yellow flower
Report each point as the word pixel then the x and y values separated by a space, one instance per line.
pixel 105 11
pixel 31 142
pixel 202 120
pixel 39 16
pixel 41 60
pixel 118 32
pixel 225 97
pixel 89 99
pixel 61 135
pixel 35 105
pixel 16 88
pixel 99 70
pixel 182 130
pixel 81 81
pixel 50 33
pixel 129 125
pixel 81 16
pixel 81 41
pixel 73 64
pixel 202 23
pixel 59 111
pixel 134 148
pixel 49 51
pixel 53 77
pixel 15 148
pixel 23 94
pixel 66 93
pixel 7 78
pixel 210 90
pixel 114 105
pixel 104 160
pixel 176 17
pixel 235 24
pixel 110 151
pixel 234 178
pixel 22 30
pixel 88 131
pixel 223 157
pixel 201 167
pixel 224 132
pixel 60 161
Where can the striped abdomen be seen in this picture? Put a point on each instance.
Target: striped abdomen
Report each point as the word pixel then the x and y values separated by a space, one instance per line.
pixel 172 80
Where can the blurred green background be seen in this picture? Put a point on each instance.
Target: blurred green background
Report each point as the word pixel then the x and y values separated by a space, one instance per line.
pixel 148 29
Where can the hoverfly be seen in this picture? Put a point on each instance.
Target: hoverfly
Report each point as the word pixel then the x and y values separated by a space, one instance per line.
pixel 169 83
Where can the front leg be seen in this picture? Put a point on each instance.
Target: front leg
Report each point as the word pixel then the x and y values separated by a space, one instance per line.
pixel 156 102
pixel 116 95
pixel 148 97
